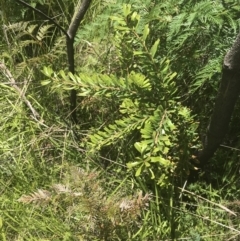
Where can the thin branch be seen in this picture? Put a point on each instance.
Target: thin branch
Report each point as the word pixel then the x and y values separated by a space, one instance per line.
pixel 43 14
pixel 209 201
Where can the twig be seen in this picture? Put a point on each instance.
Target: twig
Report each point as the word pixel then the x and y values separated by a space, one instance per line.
pixel 216 204
pixel 12 81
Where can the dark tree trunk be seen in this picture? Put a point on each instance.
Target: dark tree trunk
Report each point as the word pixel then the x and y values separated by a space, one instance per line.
pixel 71 33
pixel 228 94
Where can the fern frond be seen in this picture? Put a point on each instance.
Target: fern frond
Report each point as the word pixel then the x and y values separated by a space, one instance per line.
pixel 27 43
pixel 20 26
pixel 31 28
pixel 44 31
pixel 202 15
pixel 206 73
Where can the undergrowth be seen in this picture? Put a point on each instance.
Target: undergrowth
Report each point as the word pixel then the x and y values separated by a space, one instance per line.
pixel 146 77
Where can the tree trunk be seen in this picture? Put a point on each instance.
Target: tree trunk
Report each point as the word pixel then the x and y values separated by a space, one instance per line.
pixel 228 94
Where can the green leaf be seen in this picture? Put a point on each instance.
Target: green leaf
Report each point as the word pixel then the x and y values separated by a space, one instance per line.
pixel 85 93
pixel 126 9
pixel 137 53
pixel 137 145
pixel 118 20
pixel 152 173
pixel 45 82
pixel 170 125
pixel 155 159
pixel 73 78
pixel 47 71
pixel 134 16
pixel 133 164
pixel 171 76
pixel 184 112
pixel 162 180
pixel 63 75
pixel 153 50
pixel 122 28
pixel 145 32
pixel 141 147
pixel 147 164
pixel 161 160
pixel 139 170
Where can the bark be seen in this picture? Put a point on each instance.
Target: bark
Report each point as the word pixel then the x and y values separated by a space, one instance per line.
pixel 227 96
pixel 71 33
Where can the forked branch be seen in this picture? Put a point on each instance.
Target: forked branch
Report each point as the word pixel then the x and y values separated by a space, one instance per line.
pixel 70 35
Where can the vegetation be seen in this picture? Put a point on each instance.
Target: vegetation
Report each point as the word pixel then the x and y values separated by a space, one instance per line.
pixel 126 165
